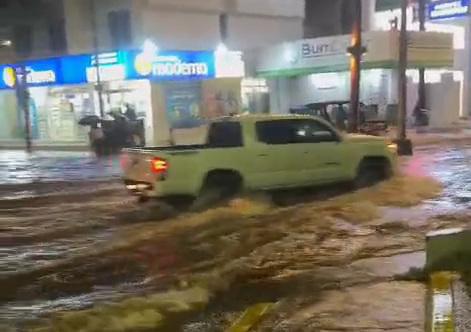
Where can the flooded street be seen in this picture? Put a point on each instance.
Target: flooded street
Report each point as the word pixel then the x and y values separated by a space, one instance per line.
pixel 71 239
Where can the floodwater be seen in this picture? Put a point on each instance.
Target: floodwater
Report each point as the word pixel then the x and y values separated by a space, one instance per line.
pixel 71 238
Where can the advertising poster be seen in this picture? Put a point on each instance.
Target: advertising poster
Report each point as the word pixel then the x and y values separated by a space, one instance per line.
pixel 183 102
pixel 221 97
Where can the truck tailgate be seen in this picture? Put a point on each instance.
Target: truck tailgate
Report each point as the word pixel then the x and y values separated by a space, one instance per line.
pixel 136 166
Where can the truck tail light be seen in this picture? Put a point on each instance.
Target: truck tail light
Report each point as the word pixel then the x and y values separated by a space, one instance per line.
pixel 124 161
pixel 158 165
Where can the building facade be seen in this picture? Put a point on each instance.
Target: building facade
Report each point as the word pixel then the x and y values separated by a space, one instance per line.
pixel 187 77
pixel 334 17
pixel 31 28
pixel 182 24
pixel 448 16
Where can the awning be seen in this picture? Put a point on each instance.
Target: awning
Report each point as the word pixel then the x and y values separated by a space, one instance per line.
pixel 382 5
pixel 329 54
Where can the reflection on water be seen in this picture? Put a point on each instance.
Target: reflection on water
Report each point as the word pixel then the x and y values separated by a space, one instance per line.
pixel 452 167
pixel 27 310
pixel 18 167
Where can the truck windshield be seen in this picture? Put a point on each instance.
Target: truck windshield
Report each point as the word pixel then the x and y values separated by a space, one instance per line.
pixel 225 135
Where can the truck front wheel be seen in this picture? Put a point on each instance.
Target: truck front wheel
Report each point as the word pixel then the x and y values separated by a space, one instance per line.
pixel 371 171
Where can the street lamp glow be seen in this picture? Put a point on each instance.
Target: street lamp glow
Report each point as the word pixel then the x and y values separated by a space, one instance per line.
pixel 5 43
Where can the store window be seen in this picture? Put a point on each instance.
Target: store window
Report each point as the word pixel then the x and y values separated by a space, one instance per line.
pixel 255 95
pixel 56 112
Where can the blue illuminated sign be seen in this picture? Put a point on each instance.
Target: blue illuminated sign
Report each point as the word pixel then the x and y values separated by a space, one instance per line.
pixel 445 9
pixel 171 65
pixel 40 73
pixel 80 69
pixel 121 65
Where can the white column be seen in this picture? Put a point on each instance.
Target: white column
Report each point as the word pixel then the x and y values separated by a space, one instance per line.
pixel 159 116
pixel 279 95
pixel 368 11
pixel 467 70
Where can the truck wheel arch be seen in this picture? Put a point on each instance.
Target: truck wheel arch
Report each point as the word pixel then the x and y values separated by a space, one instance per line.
pixel 218 185
pixel 372 169
pixel 226 178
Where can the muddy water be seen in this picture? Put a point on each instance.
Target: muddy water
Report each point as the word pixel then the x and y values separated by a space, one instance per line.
pixel 57 208
pixel 53 207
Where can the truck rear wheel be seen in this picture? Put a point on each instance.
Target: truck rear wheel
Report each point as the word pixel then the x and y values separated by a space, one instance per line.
pixel 178 203
pixel 371 171
pixel 218 186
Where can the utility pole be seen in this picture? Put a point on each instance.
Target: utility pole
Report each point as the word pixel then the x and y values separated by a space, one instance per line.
pixel 404 145
pixel 421 88
pixel 99 85
pixel 356 50
pixel 23 51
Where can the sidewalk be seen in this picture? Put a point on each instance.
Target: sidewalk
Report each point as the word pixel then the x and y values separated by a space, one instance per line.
pixel 45 145
pixel 436 136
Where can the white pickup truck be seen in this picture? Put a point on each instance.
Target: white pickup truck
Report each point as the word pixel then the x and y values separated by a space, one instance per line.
pixel 257 153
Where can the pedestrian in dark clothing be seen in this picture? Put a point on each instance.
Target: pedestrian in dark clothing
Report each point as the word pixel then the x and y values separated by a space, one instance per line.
pixel 130 113
pixel 340 117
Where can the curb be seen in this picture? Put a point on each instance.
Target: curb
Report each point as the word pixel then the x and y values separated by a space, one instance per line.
pixel 440 315
pixel 251 317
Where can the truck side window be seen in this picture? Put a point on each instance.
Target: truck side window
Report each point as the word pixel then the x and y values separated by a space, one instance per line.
pixel 275 132
pixel 225 135
pixel 312 131
pixel 294 132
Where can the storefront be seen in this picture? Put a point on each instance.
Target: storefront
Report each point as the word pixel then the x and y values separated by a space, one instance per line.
pixel 316 70
pixel 451 16
pixel 167 89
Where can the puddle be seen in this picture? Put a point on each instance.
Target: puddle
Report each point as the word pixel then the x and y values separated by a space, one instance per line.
pixel 391 266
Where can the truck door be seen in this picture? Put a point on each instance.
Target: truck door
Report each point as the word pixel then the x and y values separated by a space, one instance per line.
pixel 326 157
pixel 277 158
pixel 299 152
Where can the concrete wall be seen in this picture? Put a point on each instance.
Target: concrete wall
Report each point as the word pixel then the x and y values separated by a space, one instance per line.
pixel 248 32
pixel 443 100
pixel 323 18
pixel 189 25
pixel 280 95
pixel 40 15
pixel 8 116
pixel 180 29
pixel 335 17
pixel 78 26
